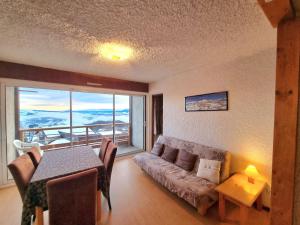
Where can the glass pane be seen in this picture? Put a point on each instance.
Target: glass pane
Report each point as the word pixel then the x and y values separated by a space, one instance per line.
pixel 44 117
pixel 138 122
pixel 92 118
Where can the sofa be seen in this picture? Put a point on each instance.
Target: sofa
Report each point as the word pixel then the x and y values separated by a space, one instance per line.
pixel 187 185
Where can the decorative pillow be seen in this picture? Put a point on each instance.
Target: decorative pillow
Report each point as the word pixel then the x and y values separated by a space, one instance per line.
pixel 209 170
pixel 186 160
pixel 170 154
pixel 157 149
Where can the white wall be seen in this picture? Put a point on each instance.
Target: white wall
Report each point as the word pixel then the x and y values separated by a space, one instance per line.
pixel 246 130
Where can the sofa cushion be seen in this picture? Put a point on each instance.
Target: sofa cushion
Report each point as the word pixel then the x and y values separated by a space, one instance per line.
pixel 193 189
pixel 209 170
pixel 186 160
pixel 157 149
pixel 202 151
pixel 170 154
pixel 186 185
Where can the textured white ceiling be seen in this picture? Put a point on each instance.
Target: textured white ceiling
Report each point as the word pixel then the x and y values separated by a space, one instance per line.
pixel 170 37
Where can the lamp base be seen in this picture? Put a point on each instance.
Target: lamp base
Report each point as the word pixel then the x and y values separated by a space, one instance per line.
pixel 251 180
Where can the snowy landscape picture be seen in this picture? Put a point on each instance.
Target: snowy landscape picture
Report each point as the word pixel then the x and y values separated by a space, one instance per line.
pixel 207 102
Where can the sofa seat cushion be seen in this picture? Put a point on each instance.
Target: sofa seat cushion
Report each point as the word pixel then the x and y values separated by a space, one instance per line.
pixel 186 185
pixel 156 166
pixel 193 189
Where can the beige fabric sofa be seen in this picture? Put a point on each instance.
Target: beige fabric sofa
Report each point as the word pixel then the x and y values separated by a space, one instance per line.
pixel 197 191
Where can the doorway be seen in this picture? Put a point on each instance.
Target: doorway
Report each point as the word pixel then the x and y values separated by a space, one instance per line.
pixel 157 116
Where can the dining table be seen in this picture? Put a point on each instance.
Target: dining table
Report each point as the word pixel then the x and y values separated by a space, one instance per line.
pixel 55 164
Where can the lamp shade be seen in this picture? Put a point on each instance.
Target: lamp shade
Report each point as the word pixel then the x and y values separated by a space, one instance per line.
pixel 251 171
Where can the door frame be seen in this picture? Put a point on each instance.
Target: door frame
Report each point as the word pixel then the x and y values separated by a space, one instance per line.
pixel 152 116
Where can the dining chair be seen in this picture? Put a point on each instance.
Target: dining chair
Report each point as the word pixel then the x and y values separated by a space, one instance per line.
pixel 22 170
pixel 35 155
pixel 108 164
pixel 103 148
pixel 72 199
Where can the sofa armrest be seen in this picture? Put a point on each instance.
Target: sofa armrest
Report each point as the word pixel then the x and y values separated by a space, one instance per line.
pixel 226 167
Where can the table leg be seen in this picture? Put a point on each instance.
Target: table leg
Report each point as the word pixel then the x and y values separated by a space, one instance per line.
pixel 243 214
pixel 39 217
pixel 99 206
pixel 222 207
pixel 259 204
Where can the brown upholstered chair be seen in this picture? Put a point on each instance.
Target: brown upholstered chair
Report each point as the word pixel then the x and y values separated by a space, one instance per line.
pixel 108 163
pixel 72 199
pixel 103 148
pixel 35 155
pixel 22 170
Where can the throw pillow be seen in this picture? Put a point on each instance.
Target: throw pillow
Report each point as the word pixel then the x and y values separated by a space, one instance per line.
pixel 157 149
pixel 186 160
pixel 170 154
pixel 209 170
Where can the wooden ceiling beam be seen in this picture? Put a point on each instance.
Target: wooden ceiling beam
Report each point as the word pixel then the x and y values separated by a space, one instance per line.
pixel 277 10
pixel 40 74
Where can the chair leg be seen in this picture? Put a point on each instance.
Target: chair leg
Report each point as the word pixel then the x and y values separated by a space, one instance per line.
pixel 98 206
pixel 109 203
pixel 108 200
pixel 39 220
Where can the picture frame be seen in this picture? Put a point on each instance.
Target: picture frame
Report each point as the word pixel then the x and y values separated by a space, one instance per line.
pixel 217 101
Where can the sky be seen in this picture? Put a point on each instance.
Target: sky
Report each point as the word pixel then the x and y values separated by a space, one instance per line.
pixel 57 100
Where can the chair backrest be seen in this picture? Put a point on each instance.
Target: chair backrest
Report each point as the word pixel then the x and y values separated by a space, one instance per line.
pixel 22 170
pixel 72 199
pixel 103 148
pixel 35 156
pixel 109 159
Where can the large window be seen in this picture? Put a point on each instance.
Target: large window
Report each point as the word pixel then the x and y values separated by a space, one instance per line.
pixel 92 117
pixel 57 119
pixel 42 108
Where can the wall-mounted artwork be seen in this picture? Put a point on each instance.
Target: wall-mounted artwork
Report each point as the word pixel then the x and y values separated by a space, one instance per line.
pixel 207 102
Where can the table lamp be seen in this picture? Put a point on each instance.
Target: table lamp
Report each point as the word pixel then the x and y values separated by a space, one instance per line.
pixel 252 173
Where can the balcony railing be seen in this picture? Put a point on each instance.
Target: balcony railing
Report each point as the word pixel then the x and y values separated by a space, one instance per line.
pixel 64 136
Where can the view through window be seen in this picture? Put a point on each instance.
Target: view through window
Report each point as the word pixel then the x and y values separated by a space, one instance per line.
pixel 57 118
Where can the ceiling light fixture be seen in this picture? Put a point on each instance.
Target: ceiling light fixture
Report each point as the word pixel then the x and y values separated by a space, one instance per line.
pixel 115 52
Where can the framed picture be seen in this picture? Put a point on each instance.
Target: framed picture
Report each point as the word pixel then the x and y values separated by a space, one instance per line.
pixel 207 102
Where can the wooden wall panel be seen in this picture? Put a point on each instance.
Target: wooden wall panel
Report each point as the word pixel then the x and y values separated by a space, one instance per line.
pixel 286 119
pixel 34 73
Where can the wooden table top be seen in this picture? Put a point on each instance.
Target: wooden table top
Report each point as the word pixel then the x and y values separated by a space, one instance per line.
pixel 57 163
pixel 239 189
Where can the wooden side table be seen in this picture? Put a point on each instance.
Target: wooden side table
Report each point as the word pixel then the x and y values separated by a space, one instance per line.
pixel 239 191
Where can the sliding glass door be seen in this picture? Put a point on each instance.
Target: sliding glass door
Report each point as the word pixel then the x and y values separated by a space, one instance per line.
pixel 92 118
pixel 44 117
pixel 58 119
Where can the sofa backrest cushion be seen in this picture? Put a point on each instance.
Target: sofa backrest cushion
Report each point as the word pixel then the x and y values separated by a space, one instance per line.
pixel 170 154
pixel 201 151
pixel 186 160
pixel 210 170
pixel 157 149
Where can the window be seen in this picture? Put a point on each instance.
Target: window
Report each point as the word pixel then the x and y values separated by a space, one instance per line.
pixel 57 119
